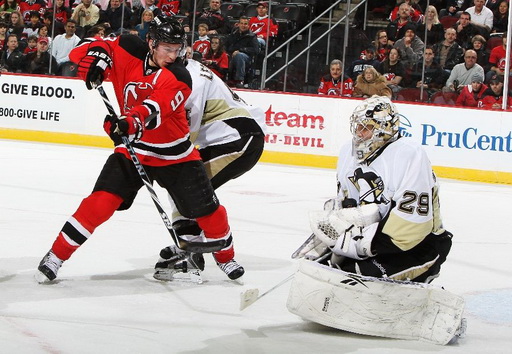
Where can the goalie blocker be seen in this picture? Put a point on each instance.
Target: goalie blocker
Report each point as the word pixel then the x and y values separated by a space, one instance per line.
pixel 376 306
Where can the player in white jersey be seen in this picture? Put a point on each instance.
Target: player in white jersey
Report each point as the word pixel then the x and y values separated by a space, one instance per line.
pixel 385 221
pixel 229 135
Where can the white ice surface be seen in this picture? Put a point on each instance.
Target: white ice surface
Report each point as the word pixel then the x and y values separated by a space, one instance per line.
pixel 107 302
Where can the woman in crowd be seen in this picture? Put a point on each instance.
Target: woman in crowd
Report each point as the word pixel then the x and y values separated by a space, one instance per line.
pixel 43 32
pixel 393 71
pixel 62 13
pixel 435 30
pixel 16 24
pixel 6 8
pixel 500 19
pixel 478 45
pixel 217 59
pixel 370 83
pixel 382 47
pixel 143 27
pixel 472 93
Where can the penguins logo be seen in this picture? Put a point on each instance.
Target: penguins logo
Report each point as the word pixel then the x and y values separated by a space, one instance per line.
pixel 370 187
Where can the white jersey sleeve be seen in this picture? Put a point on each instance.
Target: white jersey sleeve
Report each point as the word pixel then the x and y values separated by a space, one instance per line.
pixel 211 104
pixel 401 181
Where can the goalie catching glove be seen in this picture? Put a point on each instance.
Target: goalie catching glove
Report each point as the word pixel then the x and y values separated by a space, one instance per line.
pixel 94 67
pixel 349 231
pixel 129 125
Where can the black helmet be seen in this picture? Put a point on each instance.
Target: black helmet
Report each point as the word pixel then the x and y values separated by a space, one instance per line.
pixel 167 30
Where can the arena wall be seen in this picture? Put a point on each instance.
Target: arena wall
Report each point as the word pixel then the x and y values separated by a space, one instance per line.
pixel 305 130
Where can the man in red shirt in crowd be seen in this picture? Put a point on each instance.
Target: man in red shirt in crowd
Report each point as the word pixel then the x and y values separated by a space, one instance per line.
pixel 331 84
pixel 262 25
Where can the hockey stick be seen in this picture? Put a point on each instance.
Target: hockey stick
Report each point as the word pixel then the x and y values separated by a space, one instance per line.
pixel 190 246
pixel 249 297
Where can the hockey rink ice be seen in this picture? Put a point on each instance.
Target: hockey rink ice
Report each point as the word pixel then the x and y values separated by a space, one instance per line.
pixel 106 300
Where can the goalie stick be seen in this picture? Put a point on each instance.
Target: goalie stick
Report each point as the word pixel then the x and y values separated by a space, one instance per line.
pixel 189 246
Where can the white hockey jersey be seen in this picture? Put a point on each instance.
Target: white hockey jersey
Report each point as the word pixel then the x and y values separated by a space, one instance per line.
pixel 401 181
pixel 211 104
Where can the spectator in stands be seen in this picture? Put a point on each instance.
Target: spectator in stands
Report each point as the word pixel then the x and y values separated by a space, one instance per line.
pixel 216 21
pixel 454 7
pixel 138 12
pixel 466 30
pixel 96 31
pixel 202 44
pixel 497 58
pixel 143 27
pixel 169 7
pixel 434 77
pixel 462 73
pixel 396 28
pixel 38 62
pixel 6 8
pixel 416 13
pixel 478 45
pixel 435 30
pixel 31 44
pixel 63 43
pixel 262 25
pixel 393 71
pixel 3 35
pixel 62 12
pixel 410 47
pixel 448 52
pixel 493 4
pixel 492 98
pixel 243 47
pixel 118 16
pixel 48 22
pixel 331 84
pixel 382 47
pixel 370 83
pixel 357 66
pixel 33 26
pixel 11 59
pixel 471 94
pixel 481 15
pixel 27 6
pixel 500 17
pixel 217 59
pixel 16 24
pixel 85 15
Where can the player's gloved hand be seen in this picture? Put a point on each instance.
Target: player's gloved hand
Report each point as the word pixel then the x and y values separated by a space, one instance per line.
pixel 93 68
pixel 129 125
pixel 356 242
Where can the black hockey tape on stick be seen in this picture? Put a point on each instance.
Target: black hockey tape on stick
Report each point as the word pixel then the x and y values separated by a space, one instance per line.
pixel 190 246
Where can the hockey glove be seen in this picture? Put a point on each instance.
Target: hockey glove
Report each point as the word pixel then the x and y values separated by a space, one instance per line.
pixel 129 125
pixel 93 68
pixel 356 242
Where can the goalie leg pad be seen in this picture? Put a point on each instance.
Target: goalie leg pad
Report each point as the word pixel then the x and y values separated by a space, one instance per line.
pixel 374 306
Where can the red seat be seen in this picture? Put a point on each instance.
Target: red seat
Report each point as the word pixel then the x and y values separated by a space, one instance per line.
pixel 448 21
pixel 412 95
pixel 494 42
pixel 444 98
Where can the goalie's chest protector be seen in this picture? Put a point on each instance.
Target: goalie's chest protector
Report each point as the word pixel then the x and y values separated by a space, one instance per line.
pixel 401 173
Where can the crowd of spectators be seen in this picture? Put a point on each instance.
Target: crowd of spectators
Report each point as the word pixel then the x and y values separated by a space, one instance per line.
pixel 454 61
pixel 441 47
pixel 229 46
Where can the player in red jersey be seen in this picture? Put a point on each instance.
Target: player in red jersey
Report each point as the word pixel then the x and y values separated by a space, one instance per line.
pixel 145 88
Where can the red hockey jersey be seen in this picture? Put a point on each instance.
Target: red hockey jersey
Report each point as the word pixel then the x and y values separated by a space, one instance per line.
pixel 202 45
pixel 146 90
pixel 259 25
pixel 169 7
pixel 329 86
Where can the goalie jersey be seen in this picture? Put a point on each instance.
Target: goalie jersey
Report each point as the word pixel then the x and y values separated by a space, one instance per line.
pixel 401 182
pixel 216 114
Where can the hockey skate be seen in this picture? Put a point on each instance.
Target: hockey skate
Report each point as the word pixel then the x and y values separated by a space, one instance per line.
pixel 48 268
pixel 176 264
pixel 233 270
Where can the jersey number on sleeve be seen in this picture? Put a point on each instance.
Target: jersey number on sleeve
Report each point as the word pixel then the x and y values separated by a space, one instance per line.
pixel 412 201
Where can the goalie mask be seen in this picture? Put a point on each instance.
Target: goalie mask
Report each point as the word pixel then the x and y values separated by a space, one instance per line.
pixel 373 124
pixel 168 30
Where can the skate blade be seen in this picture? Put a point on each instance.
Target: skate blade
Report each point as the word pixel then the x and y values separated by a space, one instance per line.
pixel 172 275
pixel 42 279
pixel 239 280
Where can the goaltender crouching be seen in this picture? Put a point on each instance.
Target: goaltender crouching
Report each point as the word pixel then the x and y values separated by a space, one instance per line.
pixel 383 230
